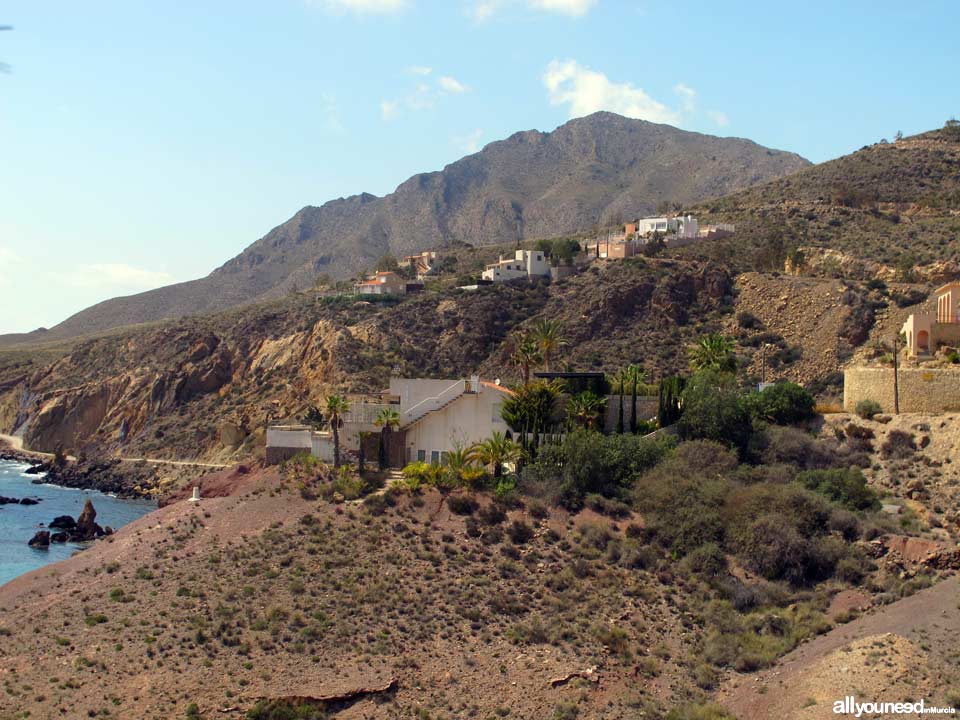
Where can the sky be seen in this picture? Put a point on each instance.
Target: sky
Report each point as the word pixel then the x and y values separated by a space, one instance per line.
pixel 148 142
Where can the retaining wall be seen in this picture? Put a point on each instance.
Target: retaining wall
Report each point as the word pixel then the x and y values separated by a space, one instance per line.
pixel 921 391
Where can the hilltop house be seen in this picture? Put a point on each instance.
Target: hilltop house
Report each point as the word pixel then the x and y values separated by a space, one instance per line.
pixel 525 265
pixel 423 265
pixel 436 416
pixel 925 332
pixel 382 283
pixel 682 227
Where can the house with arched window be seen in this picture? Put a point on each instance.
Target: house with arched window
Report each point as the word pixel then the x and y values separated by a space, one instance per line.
pixel 925 332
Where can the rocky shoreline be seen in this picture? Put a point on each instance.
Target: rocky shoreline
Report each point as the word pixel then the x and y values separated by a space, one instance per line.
pixel 124 480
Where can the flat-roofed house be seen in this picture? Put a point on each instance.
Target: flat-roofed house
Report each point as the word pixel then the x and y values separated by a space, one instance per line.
pixel 925 331
pixel 525 264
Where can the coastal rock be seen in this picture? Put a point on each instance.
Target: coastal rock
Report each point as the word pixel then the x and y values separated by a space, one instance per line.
pixel 60 537
pixel 87 528
pixel 29 501
pixel 41 540
pixel 63 522
pixel 8 500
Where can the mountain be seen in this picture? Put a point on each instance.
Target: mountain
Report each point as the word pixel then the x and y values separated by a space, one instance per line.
pixel 891 203
pixel 594 170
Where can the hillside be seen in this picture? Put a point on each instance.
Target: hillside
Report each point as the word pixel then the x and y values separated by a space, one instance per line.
pixel 896 203
pixel 597 169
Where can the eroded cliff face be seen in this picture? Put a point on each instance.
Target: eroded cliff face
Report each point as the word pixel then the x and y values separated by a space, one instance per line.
pixel 206 388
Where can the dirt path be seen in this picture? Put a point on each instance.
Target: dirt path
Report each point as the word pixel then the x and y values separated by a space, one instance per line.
pixel 930 618
pixel 16 443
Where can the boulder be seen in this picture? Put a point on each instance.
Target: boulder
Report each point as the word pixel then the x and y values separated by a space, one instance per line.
pixel 63 522
pixel 29 501
pixel 87 528
pixel 40 540
pixel 59 537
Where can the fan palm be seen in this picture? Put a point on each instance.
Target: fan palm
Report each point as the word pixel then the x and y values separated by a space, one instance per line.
pixel 585 409
pixel 549 338
pixel 525 354
pixel 387 420
pixel 497 450
pixel 713 352
pixel 337 407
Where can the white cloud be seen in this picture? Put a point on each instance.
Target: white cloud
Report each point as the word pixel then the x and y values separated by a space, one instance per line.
pixel 363 7
pixel 113 276
pixel 586 91
pixel 469 143
pixel 573 8
pixel 451 85
pixel 422 70
pixel 688 97
pixel 481 10
pixel 720 118
pixel 8 256
pixel 422 96
pixel 389 109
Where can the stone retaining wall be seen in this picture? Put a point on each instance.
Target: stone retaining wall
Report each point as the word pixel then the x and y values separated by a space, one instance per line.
pixel 921 391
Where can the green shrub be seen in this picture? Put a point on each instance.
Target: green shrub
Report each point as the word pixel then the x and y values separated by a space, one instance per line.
pixel 708 711
pixel 782 404
pixel 715 409
pixel 846 487
pixel 868 408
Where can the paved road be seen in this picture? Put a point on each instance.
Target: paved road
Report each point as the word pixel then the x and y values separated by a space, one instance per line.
pixel 17 444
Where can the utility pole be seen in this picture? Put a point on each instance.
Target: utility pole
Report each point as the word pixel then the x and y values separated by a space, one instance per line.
pixel 896 382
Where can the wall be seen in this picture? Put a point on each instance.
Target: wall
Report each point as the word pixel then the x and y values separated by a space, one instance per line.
pixel 931 391
pixel 283 442
pixel 647 406
pixel 470 419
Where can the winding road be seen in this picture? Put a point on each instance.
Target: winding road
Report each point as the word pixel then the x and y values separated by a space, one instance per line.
pixel 16 443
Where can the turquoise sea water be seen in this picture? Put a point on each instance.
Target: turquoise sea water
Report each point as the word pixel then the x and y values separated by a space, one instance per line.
pixel 18 523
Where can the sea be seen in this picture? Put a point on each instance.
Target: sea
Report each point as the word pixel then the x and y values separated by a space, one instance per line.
pixel 18 523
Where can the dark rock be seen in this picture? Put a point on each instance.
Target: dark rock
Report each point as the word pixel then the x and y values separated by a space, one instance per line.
pixel 34 470
pixel 63 522
pixel 8 500
pixel 87 528
pixel 40 540
pixel 60 537
pixel 29 501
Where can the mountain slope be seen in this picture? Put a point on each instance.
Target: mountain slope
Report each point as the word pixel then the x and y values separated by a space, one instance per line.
pixel 892 203
pixel 592 170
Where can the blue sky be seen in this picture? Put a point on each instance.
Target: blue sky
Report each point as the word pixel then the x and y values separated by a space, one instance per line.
pixel 147 142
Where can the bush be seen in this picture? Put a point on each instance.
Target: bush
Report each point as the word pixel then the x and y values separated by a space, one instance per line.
pixel 868 408
pixel 462 505
pixel 714 409
pixel 782 404
pixel 899 445
pixel 708 711
pixel 520 532
pixel 707 560
pixel 846 487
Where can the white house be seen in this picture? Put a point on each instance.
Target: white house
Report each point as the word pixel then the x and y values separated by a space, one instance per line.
pixel 526 264
pixel 436 416
pixel 382 283
pixel 683 227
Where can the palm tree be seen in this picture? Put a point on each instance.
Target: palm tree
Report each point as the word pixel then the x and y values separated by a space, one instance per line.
pixel 387 420
pixel 529 410
pixel 548 337
pixel 337 407
pixel 585 408
pixel 497 450
pixel 525 354
pixel 713 352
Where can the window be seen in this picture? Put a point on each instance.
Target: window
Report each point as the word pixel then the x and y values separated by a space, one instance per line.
pixel 434 457
pixel 421 455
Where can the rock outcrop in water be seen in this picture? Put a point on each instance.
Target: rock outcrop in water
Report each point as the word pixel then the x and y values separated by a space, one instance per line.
pixel 83 529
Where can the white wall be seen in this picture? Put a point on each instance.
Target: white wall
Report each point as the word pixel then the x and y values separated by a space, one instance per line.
pixel 296 437
pixel 470 419
pixel 413 390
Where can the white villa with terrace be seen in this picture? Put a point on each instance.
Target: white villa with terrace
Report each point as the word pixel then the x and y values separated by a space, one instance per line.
pixel 436 416
pixel 525 265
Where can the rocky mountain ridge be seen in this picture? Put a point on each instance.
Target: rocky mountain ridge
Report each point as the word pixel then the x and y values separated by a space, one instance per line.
pixel 594 170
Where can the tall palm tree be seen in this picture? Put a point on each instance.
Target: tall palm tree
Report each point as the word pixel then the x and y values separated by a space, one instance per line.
pixel 548 334
pixel 387 420
pixel 713 352
pixel 497 450
pixel 585 409
pixel 337 407
pixel 525 354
